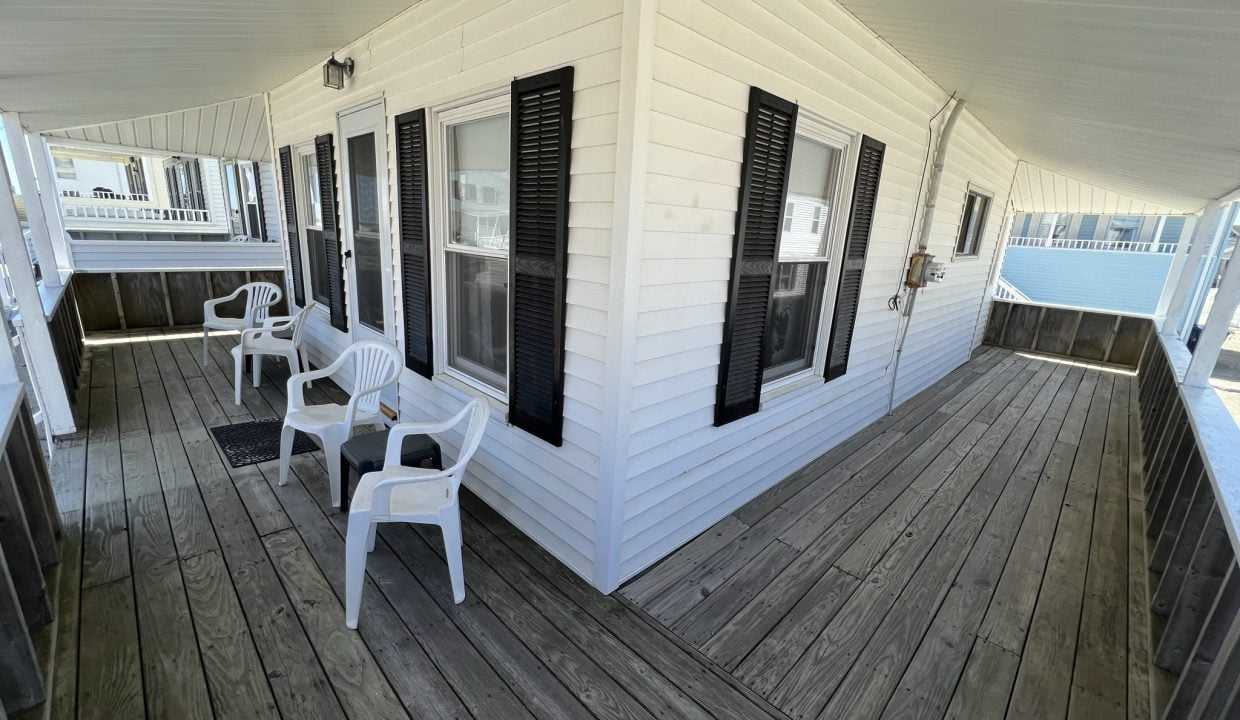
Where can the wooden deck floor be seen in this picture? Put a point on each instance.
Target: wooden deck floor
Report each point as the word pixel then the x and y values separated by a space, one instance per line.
pixel 193 590
pixel 965 557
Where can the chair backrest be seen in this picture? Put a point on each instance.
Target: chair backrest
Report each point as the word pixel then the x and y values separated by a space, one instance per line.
pixel 376 365
pixel 260 296
pixel 299 324
pixel 478 413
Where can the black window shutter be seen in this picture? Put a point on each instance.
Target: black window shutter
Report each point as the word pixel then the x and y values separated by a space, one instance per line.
pixel 258 196
pixel 542 111
pixel 290 224
pixel 769 132
pixel 326 157
pixel 856 243
pixel 415 261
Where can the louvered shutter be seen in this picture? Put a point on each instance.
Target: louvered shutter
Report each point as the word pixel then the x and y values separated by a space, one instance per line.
pixel 258 198
pixel 325 156
pixel 1089 225
pixel 769 133
pixel 542 111
pixel 856 244
pixel 415 259
pixel 290 224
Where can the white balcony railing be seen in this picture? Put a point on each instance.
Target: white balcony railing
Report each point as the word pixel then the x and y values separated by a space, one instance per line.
pixel 122 212
pixel 1005 290
pixel 1111 245
pixel 105 195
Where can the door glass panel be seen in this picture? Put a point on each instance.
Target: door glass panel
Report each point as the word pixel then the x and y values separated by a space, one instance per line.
pixel 478 183
pixel 234 203
pixel 367 254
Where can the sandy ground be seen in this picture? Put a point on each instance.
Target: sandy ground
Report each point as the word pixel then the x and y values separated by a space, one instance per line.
pixel 1226 378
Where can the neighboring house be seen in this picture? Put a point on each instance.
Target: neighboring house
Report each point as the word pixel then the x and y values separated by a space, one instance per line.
pixel 1108 262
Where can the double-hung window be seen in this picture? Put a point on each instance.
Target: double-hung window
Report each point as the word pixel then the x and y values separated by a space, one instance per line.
pixel 310 213
pixel 473 143
pixel 973 223
pixel 808 244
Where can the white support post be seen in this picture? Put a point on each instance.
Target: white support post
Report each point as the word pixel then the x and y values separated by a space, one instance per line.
pixel 24 167
pixel 1205 276
pixel 45 172
pixel 1179 288
pixel 1178 263
pixel 43 366
pixel 1158 231
pixel 1210 342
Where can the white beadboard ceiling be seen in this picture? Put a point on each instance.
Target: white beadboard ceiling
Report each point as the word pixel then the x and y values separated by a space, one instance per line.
pixel 231 129
pixel 1040 190
pixel 1139 96
pixel 67 63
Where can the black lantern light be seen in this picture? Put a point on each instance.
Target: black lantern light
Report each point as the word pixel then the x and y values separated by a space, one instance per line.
pixel 334 72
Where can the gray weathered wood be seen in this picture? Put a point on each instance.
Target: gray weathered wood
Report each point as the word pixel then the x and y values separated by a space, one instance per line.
pixel 1212 558
pixel 1223 614
pixel 109 672
pixel 21 679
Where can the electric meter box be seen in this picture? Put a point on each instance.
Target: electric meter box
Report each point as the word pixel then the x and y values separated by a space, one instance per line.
pixel 923 270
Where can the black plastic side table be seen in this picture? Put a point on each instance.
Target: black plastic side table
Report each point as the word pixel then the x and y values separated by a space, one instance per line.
pixel 364 453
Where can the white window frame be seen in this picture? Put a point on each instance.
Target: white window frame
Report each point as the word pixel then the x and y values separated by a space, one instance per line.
pixel 975 189
pixel 848 143
pixel 300 153
pixel 478 107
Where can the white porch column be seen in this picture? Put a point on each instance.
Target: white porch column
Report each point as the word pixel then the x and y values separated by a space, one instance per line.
pixel 49 194
pixel 36 219
pixel 44 368
pixel 1178 290
pixel 1210 342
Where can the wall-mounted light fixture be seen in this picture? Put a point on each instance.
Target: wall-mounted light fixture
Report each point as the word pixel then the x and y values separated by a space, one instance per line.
pixel 335 71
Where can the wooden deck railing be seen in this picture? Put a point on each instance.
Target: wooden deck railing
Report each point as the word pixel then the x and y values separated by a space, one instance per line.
pixel 1191 491
pixel 29 529
pixel 1097 335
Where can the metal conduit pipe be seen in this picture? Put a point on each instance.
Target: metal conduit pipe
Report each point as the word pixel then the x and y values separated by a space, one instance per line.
pixel 923 238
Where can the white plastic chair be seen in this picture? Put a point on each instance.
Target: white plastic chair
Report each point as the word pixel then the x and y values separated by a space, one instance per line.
pixel 260 296
pixel 413 495
pixel 376 365
pixel 260 341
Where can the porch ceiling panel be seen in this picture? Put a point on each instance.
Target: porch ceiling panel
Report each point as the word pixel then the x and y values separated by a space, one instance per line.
pixel 69 63
pixel 1038 190
pixel 1140 96
pixel 233 129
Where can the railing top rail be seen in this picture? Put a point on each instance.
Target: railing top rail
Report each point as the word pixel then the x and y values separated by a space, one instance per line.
pixel 1057 306
pixel 1091 244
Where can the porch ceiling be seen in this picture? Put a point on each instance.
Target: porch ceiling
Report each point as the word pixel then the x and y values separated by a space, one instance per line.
pixel 78 62
pixel 1138 96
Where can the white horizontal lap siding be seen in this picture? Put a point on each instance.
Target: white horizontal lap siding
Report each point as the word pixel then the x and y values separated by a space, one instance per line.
pixel 684 473
pixel 441 51
pixel 120 255
pixel 946 323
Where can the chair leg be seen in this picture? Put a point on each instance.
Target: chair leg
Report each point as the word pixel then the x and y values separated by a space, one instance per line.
pixel 286 450
pixel 238 367
pixel 257 360
pixel 355 565
pixel 204 347
pixel 294 366
pixel 332 440
pixel 450 523
pixel 370 537
pixel 305 365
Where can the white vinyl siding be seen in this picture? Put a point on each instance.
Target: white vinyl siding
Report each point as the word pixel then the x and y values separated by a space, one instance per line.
pixel 684 473
pixel 444 51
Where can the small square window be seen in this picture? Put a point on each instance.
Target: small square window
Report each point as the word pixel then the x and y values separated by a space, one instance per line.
pixel 789 211
pixel 972 223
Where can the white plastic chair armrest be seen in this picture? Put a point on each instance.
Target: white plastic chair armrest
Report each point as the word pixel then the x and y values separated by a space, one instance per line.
pixel 208 307
pixel 284 321
pixel 398 433
pixel 296 385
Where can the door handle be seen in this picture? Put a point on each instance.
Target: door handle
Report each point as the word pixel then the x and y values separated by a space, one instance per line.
pixel 348 254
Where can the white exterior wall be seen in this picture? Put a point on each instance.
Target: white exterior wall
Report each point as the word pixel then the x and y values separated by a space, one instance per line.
pixel 443 50
pixel 683 474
